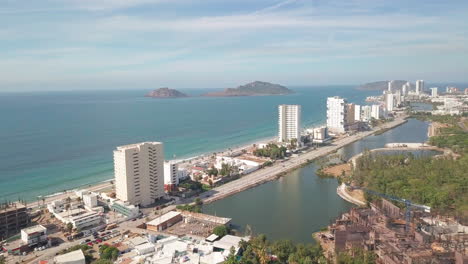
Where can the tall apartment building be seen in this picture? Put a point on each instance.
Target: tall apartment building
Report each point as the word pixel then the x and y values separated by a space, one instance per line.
pixel 391 86
pixel 350 113
pixel 366 113
pixel 389 102
pixel 434 91
pixel 357 113
pixel 375 111
pixel 139 172
pixel 171 177
pixel 289 121
pixel 405 89
pixel 419 86
pixel 13 217
pixel 336 114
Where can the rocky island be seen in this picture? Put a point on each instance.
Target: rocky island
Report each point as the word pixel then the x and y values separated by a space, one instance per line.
pixel 165 93
pixel 253 89
pixel 379 86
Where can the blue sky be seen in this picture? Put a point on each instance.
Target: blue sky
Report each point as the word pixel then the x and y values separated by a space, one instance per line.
pixel 130 44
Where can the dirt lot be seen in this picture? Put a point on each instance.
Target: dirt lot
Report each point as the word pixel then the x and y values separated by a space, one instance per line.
pixel 337 170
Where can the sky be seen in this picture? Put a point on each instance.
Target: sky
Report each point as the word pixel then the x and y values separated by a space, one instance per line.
pixel 134 44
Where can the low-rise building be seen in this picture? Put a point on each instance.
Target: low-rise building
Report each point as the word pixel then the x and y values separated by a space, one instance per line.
pixel 126 209
pixel 74 257
pixel 164 221
pixel 90 200
pixel 34 235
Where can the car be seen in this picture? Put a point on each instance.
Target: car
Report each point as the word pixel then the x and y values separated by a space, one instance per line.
pixel 98 240
pixel 90 244
pixel 134 219
pixel 87 240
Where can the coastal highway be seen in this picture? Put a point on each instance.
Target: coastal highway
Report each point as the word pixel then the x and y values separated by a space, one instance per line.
pixel 270 173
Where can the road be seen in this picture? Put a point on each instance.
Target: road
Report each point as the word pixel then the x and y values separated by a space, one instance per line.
pixel 270 173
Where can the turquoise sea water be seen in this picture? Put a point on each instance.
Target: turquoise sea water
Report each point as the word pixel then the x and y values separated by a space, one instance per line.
pixel 52 141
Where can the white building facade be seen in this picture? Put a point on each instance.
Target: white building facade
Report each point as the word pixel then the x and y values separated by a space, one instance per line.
pixel 289 122
pixel 434 92
pixel 375 111
pixel 419 86
pixel 139 173
pixel 357 113
pixel 336 114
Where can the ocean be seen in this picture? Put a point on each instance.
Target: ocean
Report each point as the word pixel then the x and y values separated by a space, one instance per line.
pixel 55 141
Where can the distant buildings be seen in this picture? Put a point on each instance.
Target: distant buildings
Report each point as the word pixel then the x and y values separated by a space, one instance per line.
pixel 13 217
pixel 419 86
pixel 336 114
pixel 375 111
pixel 366 113
pixel 139 173
pixel 389 102
pixel 357 113
pixel 434 91
pixel 405 89
pixel 289 121
pixel 391 86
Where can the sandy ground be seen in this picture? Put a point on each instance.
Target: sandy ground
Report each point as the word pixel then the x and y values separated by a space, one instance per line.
pixel 337 170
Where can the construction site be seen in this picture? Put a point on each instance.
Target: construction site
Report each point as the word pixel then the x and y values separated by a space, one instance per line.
pixel 181 223
pixel 396 239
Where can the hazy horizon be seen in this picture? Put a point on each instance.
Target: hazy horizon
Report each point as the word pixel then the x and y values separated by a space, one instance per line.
pixel 101 44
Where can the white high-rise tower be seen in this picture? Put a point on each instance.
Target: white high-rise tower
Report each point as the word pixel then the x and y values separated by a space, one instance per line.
pixel 289 122
pixel 336 114
pixel 139 172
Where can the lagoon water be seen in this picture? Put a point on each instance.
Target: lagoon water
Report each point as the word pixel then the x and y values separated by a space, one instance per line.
pixel 302 203
pixel 52 141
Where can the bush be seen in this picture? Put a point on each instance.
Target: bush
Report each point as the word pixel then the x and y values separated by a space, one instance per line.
pixel 221 230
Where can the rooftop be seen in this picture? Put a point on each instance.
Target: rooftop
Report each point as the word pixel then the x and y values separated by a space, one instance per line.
pixel 74 256
pixel 137 145
pixel 34 229
pixel 163 218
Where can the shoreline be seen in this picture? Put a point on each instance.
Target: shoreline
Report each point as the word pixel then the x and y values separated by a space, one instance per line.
pixel 248 181
pixel 274 172
pixel 103 184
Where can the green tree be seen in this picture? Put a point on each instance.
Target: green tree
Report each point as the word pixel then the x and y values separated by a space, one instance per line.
pixel 221 230
pixel 69 227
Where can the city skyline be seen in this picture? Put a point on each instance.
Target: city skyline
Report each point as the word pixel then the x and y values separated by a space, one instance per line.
pixel 63 45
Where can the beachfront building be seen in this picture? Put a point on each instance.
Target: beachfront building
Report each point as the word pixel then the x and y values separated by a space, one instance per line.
pixel 336 114
pixel 419 86
pixel 13 217
pixel 375 111
pixel 357 113
pixel 350 113
pixel 366 113
pixel 389 102
pixel 289 121
pixel 171 179
pixel 90 200
pixel 139 173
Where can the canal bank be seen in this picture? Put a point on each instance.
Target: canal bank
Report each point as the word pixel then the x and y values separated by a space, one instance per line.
pixel 302 203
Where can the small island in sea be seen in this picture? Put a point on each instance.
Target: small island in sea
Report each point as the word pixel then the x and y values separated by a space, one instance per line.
pixel 165 93
pixel 253 89
pixel 380 85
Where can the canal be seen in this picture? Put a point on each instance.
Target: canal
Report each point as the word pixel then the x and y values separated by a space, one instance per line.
pixel 302 203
